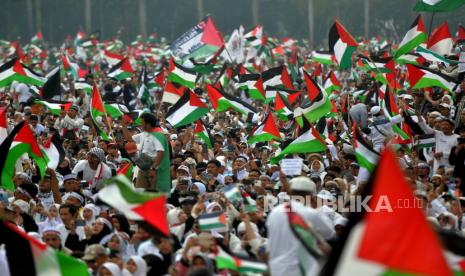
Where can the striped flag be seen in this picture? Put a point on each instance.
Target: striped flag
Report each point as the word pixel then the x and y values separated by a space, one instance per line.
pixel 222 101
pixel 172 92
pixel 182 75
pixel 69 66
pixel 213 221
pixel 277 77
pixel 225 260
pixel 331 83
pixel 342 44
pixel 366 156
pixel 188 109
pixel 14 70
pixel 438 5
pixel 426 141
pixel 112 58
pixel 3 123
pixel 319 104
pixel 266 131
pixel 148 209
pixel 248 82
pixel 202 132
pixel 121 70
pixel 97 109
pixel 55 151
pixel 55 107
pixel 422 77
pixel 231 192
pixel 440 41
pixel 323 57
pixel 282 108
pixel 415 36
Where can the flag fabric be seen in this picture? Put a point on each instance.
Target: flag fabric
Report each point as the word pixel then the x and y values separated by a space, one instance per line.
pixel 82 85
pixel 97 109
pixel 55 151
pixel 27 256
pixel 342 44
pixel 202 132
pixel 188 109
pixel 182 75
pixel 309 141
pixel 434 57
pixel 14 70
pixel 200 41
pixel 276 77
pixel 38 37
pixel 21 140
pixel 366 156
pixel 144 93
pixel 323 57
pixel 52 86
pixel 115 110
pixel 331 83
pixel 69 66
pixel 426 141
pixel 126 170
pixel 415 36
pixel 266 131
pixel 440 41
pixel 282 108
pixel 375 64
pixel 222 101
pixel 390 109
pixel 121 70
pixel 226 260
pixel 231 192
pixel 172 92
pixel 438 5
pixel 148 209
pixel 112 58
pixel 212 221
pixel 55 107
pixel 319 104
pixel 422 77
pixel 248 82
pixel 410 247
pixel 3 123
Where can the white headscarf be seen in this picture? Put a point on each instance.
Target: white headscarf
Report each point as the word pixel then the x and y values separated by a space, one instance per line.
pixel 113 268
pixel 141 266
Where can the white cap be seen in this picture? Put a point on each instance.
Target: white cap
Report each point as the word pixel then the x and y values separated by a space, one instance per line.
pixel 303 183
pixel 174 137
pixel 375 110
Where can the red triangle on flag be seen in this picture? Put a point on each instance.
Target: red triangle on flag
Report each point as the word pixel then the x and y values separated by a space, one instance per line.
pixel 439 34
pixel 461 35
pixel 153 212
pixel 18 68
pixel 414 74
pixel 194 100
pixel 286 79
pixel 259 85
pixel 270 126
pixel 312 87
pixel 279 104
pixel 3 117
pixel 126 66
pixel 211 35
pixel 214 95
pixel 293 97
pixel 25 135
pixel 97 103
pixel 160 78
pixel 198 127
pixel 344 35
pixel 410 244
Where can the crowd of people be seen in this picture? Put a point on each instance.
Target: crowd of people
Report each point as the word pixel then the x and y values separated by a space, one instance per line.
pixel 61 210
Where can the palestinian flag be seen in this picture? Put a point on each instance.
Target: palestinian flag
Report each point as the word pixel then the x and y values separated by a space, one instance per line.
pixel 225 260
pixel 82 85
pixel 342 44
pixel 323 57
pixel 434 57
pixel 422 77
pixel 69 66
pixel 97 109
pixel 461 34
pixel 112 58
pixel 366 156
pixel 38 37
pixel 231 192
pixel 21 140
pixel 331 83
pixel 390 109
pixel 144 93
pixel 115 110
pixel 426 141
pixel 277 77
pixel 52 86
pixel 27 256
pixel 309 141
pixel 172 92
pixel 14 70
pixel 121 70
pixel 440 41
pixel 412 58
pixel 438 5
pixel 188 109
pixel 200 41
pixel 319 104
pixel 55 107
pixel 3 123
pixel 126 170
pixel 410 247
pixel 249 205
pixel 415 36
pixel 55 151
pixel 148 209
pixel 212 221
pixel 375 64
pixel 266 131
pixel 282 108
pixel 248 82
pixel 156 81
pixel 182 75
pixel 202 132
pixel 222 101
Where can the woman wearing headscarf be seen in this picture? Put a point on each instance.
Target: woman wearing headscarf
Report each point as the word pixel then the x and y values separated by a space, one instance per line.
pixel 118 242
pixel 198 187
pixel 90 213
pixel 120 224
pixel 53 219
pixel 177 222
pixel 137 266
pixel 100 228
pixel 109 269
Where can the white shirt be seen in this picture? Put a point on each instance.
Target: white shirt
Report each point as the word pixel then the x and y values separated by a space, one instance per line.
pixel 148 144
pixel 284 246
pixel 90 175
pixel 147 247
